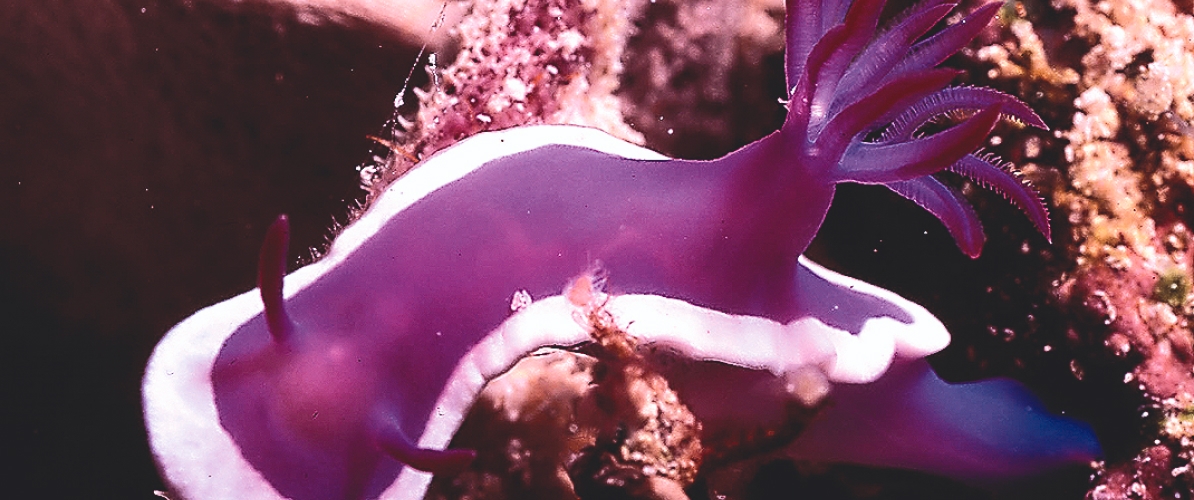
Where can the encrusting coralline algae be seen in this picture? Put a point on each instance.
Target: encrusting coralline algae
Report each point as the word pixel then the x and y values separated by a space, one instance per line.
pixel 1126 191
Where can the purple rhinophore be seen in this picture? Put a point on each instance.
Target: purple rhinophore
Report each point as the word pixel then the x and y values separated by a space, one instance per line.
pixel 359 373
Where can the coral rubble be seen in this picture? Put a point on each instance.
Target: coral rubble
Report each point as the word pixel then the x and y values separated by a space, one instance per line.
pixel 520 62
pixel 1125 192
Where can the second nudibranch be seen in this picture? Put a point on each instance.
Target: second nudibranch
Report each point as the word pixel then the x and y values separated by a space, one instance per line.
pixel 327 382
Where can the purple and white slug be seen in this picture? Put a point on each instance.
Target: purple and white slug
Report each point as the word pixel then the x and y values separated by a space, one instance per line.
pixel 348 378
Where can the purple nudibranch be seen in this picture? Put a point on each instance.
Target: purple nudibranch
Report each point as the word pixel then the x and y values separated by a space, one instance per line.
pixel 347 378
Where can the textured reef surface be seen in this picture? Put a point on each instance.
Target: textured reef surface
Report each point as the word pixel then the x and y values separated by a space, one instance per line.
pixel 1119 72
pixel 646 408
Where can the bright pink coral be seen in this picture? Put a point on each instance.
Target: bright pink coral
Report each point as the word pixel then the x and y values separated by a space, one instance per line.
pixel 367 363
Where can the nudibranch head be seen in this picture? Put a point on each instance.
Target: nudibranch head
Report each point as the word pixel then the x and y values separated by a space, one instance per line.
pixel 347 378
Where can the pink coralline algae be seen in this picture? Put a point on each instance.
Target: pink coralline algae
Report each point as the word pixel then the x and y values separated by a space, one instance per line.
pixel 1125 193
pixel 347 378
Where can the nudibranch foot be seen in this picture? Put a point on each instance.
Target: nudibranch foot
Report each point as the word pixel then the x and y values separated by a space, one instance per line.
pixel 352 382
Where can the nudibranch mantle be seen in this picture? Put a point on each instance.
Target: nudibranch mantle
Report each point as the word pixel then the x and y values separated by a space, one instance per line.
pixel 870 327
pixel 342 379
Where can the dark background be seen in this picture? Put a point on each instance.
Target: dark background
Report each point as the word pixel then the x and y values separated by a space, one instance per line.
pixel 147 144
pixel 144 148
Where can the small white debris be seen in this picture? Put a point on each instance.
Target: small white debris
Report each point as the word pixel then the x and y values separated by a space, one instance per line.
pixel 516 89
pixel 521 300
pixel 807 384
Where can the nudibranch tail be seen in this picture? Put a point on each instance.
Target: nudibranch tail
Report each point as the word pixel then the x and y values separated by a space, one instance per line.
pixel 991 430
pixel 271 269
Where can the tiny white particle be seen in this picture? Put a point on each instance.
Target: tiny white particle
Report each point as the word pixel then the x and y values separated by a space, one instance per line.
pixel 521 300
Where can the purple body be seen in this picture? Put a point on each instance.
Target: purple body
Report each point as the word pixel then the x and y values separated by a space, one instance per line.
pixel 441 274
pixel 325 392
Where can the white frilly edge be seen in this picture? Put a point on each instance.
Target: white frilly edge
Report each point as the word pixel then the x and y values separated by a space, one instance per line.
pixel 695 332
pixel 204 462
pixel 201 461
pixel 193 452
